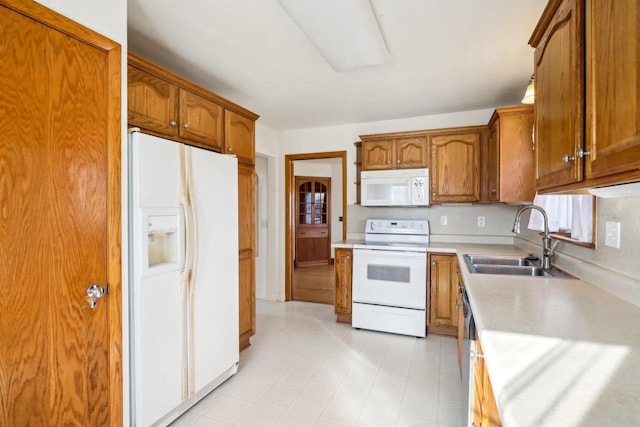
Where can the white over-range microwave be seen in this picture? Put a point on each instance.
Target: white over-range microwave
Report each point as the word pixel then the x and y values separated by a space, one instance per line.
pixel 396 187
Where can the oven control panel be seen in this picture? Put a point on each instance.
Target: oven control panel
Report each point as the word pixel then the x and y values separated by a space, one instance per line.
pixel 399 226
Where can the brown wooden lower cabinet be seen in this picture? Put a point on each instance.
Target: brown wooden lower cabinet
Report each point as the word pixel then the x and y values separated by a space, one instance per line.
pixel 343 271
pixel 247 297
pixel 484 407
pixel 443 293
pixel 246 254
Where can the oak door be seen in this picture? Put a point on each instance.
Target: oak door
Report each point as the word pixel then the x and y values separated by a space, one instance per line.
pixel 444 290
pixel 377 155
pixel 559 110
pixel 239 133
pixel 343 271
pixel 59 203
pixel 152 102
pixel 455 168
pixel 200 120
pixel 411 153
pixel 246 247
pixel 613 87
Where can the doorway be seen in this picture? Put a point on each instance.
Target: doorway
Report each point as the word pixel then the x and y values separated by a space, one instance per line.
pixel 316 280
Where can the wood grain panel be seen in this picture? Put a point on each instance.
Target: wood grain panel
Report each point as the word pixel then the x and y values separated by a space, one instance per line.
pixel 55 154
pixel 455 168
pixel 559 110
pixel 152 102
pixel 377 155
pixel 412 153
pixel 613 87
pixel 343 281
pixel 240 137
pixel 246 246
pixel 444 290
pixel 200 120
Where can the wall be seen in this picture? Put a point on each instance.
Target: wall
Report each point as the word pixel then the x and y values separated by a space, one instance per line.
pixel 268 270
pixel 615 270
pixel 109 18
pixel 341 138
pixel 262 229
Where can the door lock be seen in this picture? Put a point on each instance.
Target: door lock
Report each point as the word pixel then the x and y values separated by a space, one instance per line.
pixel 94 293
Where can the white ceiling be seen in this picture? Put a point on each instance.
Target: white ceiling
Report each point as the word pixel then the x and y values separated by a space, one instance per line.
pixel 445 56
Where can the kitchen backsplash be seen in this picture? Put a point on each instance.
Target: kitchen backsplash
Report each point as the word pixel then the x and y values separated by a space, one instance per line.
pixel 462 221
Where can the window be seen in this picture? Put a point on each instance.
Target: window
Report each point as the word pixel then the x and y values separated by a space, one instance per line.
pixel 571 217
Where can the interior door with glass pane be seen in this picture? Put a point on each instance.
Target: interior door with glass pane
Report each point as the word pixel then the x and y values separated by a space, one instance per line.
pixel 313 228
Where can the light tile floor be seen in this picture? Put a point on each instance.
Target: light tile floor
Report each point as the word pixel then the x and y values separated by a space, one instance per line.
pixel 303 369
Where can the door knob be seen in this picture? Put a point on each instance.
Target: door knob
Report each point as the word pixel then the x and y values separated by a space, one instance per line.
pixel 172 123
pixel 94 293
pixel 567 158
pixel 185 125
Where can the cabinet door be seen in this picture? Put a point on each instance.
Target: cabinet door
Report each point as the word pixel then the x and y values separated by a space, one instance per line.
pixel 152 102
pixel 246 247
pixel 411 153
pixel 613 87
pixel 444 290
pixel 455 168
pixel 343 264
pixel 559 64
pixel 516 163
pixel 494 162
pixel 200 120
pixel 484 408
pixel 240 137
pixel 377 155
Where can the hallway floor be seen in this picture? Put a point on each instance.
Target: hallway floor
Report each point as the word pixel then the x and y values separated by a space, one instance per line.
pixel 304 369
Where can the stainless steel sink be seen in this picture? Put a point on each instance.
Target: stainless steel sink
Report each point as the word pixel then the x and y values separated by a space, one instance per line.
pixel 511 265
pixel 500 260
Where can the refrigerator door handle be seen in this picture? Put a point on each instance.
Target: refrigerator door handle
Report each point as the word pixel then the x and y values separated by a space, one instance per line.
pixel 184 278
pixel 194 269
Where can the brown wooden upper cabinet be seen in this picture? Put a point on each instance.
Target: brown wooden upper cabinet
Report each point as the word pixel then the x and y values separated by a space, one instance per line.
pixel 455 167
pixel 163 108
pixel 394 153
pixel 511 155
pixel 240 137
pixel 575 150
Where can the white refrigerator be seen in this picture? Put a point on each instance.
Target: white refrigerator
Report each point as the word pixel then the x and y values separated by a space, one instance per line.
pixel 183 213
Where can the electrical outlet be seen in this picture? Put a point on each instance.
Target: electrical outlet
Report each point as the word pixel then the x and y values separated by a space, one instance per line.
pixel 612 234
pixel 480 221
pixel 443 220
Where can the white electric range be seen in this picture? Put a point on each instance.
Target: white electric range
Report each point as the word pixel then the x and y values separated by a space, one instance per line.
pixel 390 277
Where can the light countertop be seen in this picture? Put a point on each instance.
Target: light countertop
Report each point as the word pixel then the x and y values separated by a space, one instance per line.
pixel 346 244
pixel 559 352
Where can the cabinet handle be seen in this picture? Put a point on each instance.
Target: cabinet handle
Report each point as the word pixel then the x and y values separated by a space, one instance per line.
pixel 348 257
pixel 433 263
pixel 461 288
pixel 388 161
pixel 230 149
pixel 185 125
pixel 398 161
pixel 582 153
pixel 494 191
pixel 433 194
pixel 458 305
pixel 173 123
pixel 567 158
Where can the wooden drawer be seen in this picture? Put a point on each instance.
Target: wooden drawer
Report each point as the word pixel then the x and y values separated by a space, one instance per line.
pixel 303 234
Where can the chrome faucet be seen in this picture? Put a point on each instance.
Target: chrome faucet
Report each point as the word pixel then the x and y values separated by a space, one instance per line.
pixel 549 244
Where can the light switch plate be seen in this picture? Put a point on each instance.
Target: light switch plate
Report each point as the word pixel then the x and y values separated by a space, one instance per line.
pixel 480 221
pixel 612 234
pixel 443 220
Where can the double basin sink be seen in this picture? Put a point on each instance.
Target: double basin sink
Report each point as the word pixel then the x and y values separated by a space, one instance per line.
pixel 511 265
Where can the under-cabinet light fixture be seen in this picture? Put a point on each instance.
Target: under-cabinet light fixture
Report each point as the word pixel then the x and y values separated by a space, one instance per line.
pixel 530 94
pixel 345 32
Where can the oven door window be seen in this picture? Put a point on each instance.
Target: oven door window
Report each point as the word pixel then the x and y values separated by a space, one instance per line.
pixel 389 273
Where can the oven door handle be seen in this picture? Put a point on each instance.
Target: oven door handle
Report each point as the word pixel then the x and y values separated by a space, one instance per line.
pixel 378 252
